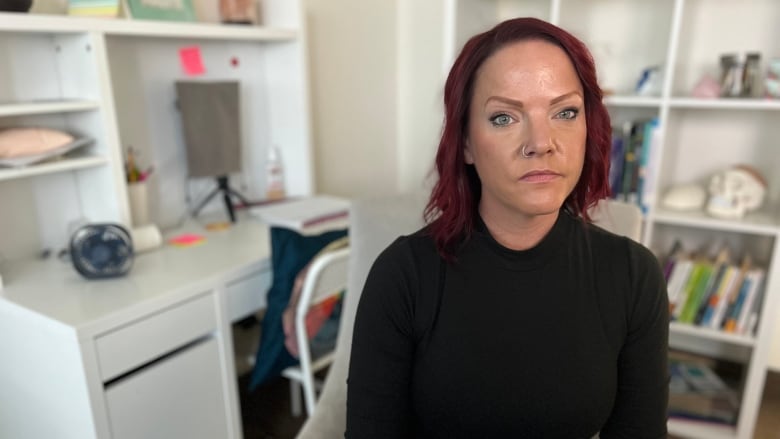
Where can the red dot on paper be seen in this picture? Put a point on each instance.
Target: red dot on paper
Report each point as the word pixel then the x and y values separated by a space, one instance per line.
pixel 234 61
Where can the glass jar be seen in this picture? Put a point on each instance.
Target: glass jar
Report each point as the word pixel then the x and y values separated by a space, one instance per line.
pixel 238 11
pixel 739 74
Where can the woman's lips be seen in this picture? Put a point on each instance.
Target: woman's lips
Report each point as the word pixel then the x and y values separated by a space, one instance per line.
pixel 539 176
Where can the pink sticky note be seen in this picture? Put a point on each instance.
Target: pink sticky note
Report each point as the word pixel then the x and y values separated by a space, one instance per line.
pixel 191 61
pixel 186 240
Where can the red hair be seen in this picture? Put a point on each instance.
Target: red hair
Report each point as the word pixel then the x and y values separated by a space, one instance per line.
pixel 452 207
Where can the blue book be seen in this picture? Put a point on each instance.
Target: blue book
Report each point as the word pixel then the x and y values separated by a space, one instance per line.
pixel 616 164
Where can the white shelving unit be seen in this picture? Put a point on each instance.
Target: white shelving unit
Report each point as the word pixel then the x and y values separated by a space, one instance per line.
pixel 699 137
pixel 149 353
pixel 112 80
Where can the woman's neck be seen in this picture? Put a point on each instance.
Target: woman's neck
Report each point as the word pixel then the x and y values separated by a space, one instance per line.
pixel 517 231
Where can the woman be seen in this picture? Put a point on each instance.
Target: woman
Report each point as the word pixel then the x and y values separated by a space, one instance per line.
pixel 510 315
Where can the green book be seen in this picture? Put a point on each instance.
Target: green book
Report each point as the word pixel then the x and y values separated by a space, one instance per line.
pixel 696 293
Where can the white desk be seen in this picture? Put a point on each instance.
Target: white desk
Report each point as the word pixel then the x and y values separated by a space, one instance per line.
pixel 148 355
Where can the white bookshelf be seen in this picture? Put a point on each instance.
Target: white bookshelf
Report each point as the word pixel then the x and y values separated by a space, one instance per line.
pixel 724 104
pixel 632 101
pixel 112 80
pixel 52 167
pixel 699 137
pixel 757 223
pixel 700 429
pixel 712 334
pixel 54 24
pixel 46 107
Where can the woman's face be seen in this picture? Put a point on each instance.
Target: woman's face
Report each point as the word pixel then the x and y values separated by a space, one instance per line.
pixel 526 94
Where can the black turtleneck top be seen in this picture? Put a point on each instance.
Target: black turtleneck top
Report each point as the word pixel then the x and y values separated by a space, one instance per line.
pixel 564 340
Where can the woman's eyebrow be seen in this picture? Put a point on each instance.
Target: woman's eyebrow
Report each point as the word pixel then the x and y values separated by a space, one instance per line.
pixel 504 100
pixel 519 104
pixel 565 96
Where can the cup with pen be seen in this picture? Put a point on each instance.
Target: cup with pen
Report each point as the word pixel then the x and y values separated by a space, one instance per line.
pixel 137 189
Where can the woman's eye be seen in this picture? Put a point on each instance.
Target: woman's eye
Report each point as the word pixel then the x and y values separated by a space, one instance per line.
pixel 501 120
pixel 569 113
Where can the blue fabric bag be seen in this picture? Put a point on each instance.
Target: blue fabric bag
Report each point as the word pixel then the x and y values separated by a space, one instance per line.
pixel 290 252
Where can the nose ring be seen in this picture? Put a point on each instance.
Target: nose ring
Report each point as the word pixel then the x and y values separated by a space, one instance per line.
pixel 524 153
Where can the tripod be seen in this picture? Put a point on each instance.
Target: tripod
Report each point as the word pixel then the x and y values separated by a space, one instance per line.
pixel 227 191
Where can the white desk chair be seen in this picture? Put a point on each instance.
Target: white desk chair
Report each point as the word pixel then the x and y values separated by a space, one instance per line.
pixel 374 224
pixel 327 276
pixel 618 217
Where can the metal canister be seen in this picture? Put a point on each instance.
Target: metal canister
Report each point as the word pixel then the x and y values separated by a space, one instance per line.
pixel 739 74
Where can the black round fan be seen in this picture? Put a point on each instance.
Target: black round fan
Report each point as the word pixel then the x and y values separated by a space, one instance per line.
pixel 101 250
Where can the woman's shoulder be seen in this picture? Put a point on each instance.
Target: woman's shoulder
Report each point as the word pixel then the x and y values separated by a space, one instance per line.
pixel 416 248
pixel 624 255
pixel 602 238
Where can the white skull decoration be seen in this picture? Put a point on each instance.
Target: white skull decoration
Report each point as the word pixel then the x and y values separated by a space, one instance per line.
pixel 736 191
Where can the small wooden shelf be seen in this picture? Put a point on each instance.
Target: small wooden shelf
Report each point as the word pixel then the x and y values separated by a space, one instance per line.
pixel 54 24
pixel 712 334
pixel 632 101
pixel 757 223
pixel 684 428
pixel 725 104
pixel 62 165
pixel 46 107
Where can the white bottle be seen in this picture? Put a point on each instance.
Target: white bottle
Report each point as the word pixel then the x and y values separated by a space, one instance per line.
pixel 274 175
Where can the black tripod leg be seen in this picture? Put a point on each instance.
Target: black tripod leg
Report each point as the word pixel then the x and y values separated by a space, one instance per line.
pixel 229 205
pixel 239 196
pixel 205 201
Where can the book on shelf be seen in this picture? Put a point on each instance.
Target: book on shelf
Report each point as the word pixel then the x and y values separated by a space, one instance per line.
pixel 716 305
pixel 308 215
pixel 697 392
pixel 691 293
pixel 647 164
pixel 632 136
pixel 616 162
pixel 743 305
pixel 716 277
pixel 632 161
pixel 715 293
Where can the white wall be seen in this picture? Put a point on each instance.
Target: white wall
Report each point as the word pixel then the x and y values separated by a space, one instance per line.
pixel 352 61
pixel 421 74
pixel 376 92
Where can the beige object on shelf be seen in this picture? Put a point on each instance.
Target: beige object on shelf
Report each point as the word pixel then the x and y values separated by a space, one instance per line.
pixel 137 196
pixel 238 11
pixel 145 238
pixel 736 191
pixel 23 141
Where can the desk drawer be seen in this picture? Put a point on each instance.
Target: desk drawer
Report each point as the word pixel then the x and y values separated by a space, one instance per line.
pixel 247 295
pixel 179 397
pixel 131 346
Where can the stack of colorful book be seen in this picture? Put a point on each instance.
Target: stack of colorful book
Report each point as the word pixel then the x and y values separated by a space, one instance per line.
pixel 701 390
pixel 632 162
pixel 715 292
pixel 94 8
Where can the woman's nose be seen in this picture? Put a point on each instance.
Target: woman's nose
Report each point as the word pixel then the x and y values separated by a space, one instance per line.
pixel 539 138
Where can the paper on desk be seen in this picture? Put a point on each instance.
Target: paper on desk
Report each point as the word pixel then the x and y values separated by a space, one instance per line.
pixel 187 240
pixel 307 216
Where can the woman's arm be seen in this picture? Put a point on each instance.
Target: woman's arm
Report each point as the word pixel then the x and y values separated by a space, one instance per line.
pixel 378 386
pixel 640 409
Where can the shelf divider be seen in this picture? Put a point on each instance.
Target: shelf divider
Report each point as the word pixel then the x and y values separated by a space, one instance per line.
pixel 61 165
pixel 46 107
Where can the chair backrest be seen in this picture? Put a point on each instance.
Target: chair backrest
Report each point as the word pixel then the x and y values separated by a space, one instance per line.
pixel 326 276
pixel 374 224
pixel 618 217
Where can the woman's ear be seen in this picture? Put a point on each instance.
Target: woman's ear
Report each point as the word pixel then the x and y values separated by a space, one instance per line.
pixel 467 152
